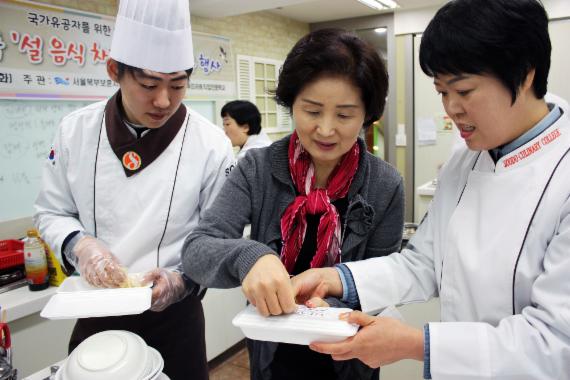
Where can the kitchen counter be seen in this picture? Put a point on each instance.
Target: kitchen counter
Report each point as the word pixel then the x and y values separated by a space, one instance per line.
pixel 423 197
pixel 45 373
pixel 36 342
pixel 22 302
pixel 427 189
pixel 39 342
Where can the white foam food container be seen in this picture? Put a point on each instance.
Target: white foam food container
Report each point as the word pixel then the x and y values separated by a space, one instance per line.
pixel 304 326
pixel 75 298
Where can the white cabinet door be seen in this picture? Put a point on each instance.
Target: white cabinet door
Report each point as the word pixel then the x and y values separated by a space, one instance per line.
pixel 220 307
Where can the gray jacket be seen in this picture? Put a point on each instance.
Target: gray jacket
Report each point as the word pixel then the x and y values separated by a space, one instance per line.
pixel 257 192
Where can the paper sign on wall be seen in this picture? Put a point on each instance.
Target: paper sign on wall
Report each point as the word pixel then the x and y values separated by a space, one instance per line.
pixel 427 131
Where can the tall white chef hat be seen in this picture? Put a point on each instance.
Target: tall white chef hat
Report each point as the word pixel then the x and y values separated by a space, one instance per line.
pixel 154 35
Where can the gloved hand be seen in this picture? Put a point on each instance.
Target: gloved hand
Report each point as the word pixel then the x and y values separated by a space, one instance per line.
pixel 97 264
pixel 169 288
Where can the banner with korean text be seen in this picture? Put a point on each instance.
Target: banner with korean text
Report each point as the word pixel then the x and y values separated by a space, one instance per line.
pixel 49 52
pixel 53 53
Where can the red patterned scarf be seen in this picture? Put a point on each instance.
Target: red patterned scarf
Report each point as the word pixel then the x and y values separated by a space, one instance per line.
pixel 315 202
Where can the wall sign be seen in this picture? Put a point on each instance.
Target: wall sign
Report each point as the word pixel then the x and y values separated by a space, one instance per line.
pixel 49 52
pixel 214 67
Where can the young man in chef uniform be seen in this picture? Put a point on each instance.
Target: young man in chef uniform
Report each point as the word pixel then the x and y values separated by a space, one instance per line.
pixel 130 177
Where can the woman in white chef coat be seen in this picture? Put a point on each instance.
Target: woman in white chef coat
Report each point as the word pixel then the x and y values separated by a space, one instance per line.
pixel 242 124
pixel 495 244
pixel 129 178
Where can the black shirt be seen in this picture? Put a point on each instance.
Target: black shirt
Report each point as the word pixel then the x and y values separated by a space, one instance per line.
pixel 309 247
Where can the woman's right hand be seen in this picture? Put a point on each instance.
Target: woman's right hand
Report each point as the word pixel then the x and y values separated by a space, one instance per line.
pixel 268 287
pixel 315 284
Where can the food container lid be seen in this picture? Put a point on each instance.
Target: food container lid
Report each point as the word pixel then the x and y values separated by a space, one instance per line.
pixel 77 299
pixel 304 326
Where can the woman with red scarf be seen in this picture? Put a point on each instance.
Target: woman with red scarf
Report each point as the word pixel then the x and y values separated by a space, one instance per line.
pixel 314 199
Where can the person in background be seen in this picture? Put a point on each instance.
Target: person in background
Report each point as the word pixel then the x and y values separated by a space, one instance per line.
pixel 494 246
pixel 242 124
pixel 314 198
pixel 130 177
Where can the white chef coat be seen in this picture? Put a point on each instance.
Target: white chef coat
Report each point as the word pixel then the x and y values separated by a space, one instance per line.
pixel 260 140
pixel 158 206
pixel 495 248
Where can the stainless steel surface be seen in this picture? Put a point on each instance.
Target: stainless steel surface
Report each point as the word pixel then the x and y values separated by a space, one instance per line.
pixel 53 370
pixel 409 231
pixel 409 121
pixel 6 370
pixel 15 285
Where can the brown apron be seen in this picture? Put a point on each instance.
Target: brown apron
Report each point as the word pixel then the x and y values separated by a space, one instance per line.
pixel 177 333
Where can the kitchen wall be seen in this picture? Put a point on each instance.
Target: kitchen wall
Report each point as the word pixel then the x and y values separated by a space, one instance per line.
pixel 413 21
pixel 401 99
pixel 106 7
pixel 259 34
pixel 557 8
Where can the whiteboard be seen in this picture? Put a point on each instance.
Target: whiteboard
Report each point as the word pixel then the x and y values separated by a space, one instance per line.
pixel 27 129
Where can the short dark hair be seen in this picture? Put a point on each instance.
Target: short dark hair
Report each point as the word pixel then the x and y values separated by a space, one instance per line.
pixel 337 52
pixel 123 68
pixel 243 112
pixel 502 38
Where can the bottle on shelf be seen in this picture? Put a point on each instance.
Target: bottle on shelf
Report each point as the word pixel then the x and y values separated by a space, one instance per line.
pixel 35 261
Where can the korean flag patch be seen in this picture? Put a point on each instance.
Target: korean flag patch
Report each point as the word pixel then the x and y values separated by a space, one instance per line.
pixel 51 156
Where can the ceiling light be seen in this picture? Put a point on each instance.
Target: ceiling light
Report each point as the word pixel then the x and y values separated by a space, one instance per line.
pixel 372 4
pixel 380 4
pixel 381 30
pixel 389 3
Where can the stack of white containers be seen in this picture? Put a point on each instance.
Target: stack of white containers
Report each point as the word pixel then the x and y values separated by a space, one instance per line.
pixel 113 355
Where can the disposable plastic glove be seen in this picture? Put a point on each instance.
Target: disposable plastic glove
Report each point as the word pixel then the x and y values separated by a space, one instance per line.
pixel 169 288
pixel 97 264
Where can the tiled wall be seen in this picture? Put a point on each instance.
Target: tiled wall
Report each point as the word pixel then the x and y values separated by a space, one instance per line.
pixel 106 7
pixel 260 34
